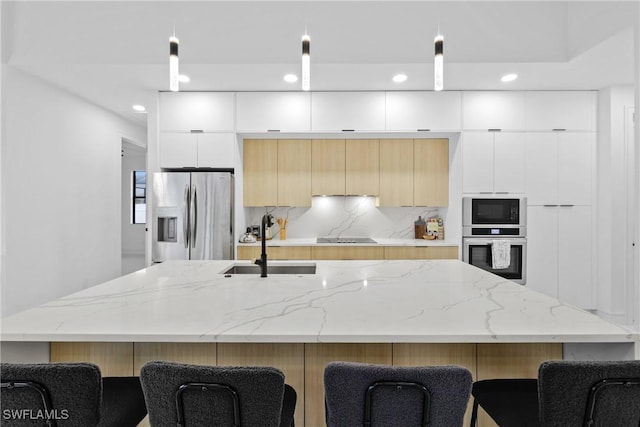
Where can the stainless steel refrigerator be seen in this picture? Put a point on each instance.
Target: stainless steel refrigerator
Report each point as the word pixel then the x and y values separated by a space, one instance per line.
pixel 192 215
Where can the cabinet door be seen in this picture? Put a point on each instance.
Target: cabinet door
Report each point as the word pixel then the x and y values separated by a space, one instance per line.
pixel 178 150
pixel 570 110
pixel 431 172
pixel 542 249
pixel 216 150
pixel 207 111
pixel 355 111
pixel 288 252
pixel 362 168
pixel 575 167
pixel 541 168
pixel 574 254
pixel 260 163
pixel 477 162
pixel 411 111
pixel 509 166
pixel 396 172
pixel 294 172
pixel 283 111
pixel 328 167
pixel 493 110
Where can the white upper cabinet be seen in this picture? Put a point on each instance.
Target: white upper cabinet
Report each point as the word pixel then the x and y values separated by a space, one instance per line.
pixel 569 110
pixel 273 111
pixel 493 162
pixel 493 110
pixel 206 111
pixel 411 111
pixel 197 150
pixel 350 111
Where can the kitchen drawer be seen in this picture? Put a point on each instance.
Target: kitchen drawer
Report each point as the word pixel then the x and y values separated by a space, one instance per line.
pixel 421 252
pixel 347 252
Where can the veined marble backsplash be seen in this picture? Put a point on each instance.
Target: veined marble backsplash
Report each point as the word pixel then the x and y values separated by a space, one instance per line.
pixel 350 216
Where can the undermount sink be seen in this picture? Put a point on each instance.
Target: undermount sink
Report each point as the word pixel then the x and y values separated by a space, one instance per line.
pixel 272 269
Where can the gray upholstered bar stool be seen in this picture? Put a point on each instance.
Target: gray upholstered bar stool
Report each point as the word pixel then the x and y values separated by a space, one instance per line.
pixel 68 395
pixel 192 395
pixel 359 394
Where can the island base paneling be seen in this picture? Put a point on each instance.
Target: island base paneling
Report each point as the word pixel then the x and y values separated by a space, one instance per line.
pixel 303 364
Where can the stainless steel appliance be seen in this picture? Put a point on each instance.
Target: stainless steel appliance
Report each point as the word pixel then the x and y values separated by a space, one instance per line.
pixel 486 219
pixel 192 215
pixel 330 239
pixel 482 214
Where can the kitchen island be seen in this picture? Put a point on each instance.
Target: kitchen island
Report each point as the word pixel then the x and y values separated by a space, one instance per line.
pixel 403 312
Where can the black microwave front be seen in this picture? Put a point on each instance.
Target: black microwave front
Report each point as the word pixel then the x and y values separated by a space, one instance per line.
pixel 479 214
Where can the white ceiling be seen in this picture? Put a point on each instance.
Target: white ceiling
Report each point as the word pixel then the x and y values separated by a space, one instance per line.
pixel 115 54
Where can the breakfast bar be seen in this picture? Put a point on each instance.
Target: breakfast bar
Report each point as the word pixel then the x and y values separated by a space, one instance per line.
pixel 401 312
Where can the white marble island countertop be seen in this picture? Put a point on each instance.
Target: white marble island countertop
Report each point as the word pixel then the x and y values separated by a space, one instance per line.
pixel 423 301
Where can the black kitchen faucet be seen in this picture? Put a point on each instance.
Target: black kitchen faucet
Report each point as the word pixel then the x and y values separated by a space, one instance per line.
pixel 267 221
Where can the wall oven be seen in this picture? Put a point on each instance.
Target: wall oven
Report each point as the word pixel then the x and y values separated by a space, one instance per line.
pixel 477 251
pixel 488 219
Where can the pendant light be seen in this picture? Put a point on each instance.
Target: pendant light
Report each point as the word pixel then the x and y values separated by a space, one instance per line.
pixel 438 63
pixel 174 73
pixel 306 62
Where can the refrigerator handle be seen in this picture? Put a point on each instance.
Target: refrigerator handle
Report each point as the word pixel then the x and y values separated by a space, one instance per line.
pixel 194 216
pixel 185 217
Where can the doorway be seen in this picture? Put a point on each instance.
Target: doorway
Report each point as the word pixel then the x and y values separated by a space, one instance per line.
pixel 133 206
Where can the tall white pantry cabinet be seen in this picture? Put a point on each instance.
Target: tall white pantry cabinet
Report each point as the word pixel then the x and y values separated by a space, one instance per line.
pixel 540 145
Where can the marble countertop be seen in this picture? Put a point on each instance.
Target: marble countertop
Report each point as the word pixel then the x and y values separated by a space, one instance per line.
pixel 381 241
pixel 345 301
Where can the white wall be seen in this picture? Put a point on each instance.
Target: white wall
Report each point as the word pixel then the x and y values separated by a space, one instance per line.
pixel 60 192
pixel 613 204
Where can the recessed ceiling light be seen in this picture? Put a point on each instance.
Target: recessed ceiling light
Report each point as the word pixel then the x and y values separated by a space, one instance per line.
pixel 509 78
pixel 399 78
pixel 139 108
pixel 290 78
pixel 184 79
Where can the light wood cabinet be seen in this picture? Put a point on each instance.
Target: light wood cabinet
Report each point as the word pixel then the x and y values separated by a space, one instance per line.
pixel 288 252
pixel 362 175
pixel 431 172
pixel 396 172
pixel 204 111
pixel 328 167
pixel 248 252
pixel 347 252
pixel 421 252
pixel 260 162
pixel 294 172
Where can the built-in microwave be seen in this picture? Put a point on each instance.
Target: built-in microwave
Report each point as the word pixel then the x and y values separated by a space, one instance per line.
pixel 494 216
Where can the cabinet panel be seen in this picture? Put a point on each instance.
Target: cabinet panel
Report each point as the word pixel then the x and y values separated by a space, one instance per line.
pixel 216 150
pixel 575 166
pixel 347 252
pixel 248 252
pixel 431 172
pixel 477 162
pixel 396 172
pixel 178 150
pixel 208 111
pixel 337 111
pixel 115 359
pixel 542 249
pixel 541 168
pixel 294 172
pixel 263 111
pixel 328 167
pixel 574 252
pixel 288 252
pixel 421 252
pixel 260 162
pixel 362 169
pixel 509 163
pixel 493 110
pixel 411 111
pixel 571 110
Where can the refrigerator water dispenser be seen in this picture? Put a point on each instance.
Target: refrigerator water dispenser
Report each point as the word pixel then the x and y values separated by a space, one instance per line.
pixel 167 229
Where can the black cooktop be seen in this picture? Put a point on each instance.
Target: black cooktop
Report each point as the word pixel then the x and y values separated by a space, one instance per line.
pixel 345 240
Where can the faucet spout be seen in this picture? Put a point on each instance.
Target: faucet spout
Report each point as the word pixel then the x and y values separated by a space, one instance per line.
pixel 267 221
